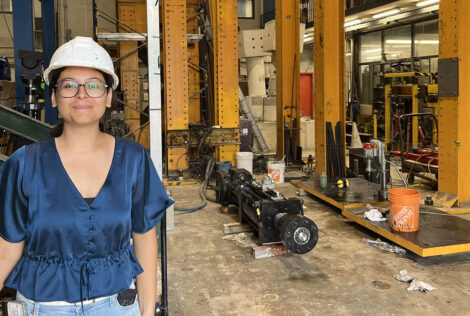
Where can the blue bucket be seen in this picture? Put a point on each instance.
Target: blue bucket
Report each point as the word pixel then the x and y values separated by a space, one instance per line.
pixel 224 165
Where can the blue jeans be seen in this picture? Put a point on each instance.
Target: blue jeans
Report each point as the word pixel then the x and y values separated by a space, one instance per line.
pixel 105 307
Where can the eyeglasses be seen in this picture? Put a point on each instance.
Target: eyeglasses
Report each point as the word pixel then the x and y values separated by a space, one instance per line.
pixel 94 88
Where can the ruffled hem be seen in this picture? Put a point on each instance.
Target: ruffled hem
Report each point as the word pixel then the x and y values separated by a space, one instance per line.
pixel 43 280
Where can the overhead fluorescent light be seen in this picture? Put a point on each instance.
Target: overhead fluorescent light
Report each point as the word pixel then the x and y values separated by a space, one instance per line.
pixel 398 42
pixel 374 57
pixel 427 41
pixel 409 42
pixel 426 3
pixel 386 13
pixel 375 50
pixel 348 54
pixel 353 22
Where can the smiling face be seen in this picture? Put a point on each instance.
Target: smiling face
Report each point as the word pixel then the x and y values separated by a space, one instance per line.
pixel 81 109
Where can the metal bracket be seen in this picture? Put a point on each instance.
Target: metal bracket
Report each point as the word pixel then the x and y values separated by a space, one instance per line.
pixel 448 77
pixel 217 137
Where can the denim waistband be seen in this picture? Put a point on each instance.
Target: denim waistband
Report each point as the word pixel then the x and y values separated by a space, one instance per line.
pixel 21 297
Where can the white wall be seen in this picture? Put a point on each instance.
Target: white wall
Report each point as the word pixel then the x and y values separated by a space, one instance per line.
pixel 306 59
pixel 76 18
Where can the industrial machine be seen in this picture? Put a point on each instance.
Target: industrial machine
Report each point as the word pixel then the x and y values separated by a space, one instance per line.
pixel 31 62
pixel 275 217
pixel 404 94
pixel 416 161
pixel 372 163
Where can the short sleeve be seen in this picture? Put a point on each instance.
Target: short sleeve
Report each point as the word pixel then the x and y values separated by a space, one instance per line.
pixel 13 201
pixel 149 200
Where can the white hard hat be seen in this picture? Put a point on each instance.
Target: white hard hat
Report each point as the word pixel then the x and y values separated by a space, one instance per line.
pixel 82 52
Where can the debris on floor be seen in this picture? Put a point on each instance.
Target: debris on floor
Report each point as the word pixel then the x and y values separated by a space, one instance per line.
pixel 374 215
pixel 243 240
pixel 416 285
pixel 384 246
pixel 403 277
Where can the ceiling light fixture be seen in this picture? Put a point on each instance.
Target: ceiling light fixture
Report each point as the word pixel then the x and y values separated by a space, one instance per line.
pixel 398 42
pixel 375 50
pixel 432 42
pixel 426 3
pixel 386 13
pixel 353 22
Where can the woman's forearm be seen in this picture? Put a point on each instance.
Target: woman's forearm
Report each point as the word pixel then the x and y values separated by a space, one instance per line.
pixel 146 251
pixel 10 254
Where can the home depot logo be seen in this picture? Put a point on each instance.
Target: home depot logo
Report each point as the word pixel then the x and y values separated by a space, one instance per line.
pixel 275 174
pixel 404 218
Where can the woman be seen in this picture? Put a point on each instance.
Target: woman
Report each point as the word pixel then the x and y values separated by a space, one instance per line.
pixel 69 205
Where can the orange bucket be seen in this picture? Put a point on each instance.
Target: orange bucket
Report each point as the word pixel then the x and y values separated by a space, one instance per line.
pixel 404 209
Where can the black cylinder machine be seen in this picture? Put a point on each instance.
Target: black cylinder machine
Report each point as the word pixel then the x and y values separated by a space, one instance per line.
pixel 275 217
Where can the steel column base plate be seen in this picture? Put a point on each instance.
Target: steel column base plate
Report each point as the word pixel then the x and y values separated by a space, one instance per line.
pixel 439 233
pixel 358 194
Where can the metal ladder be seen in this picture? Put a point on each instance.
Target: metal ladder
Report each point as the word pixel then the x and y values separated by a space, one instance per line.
pixel 246 111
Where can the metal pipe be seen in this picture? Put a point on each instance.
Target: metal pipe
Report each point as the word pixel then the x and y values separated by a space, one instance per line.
pixel 399 173
pixel 383 178
pixel 164 306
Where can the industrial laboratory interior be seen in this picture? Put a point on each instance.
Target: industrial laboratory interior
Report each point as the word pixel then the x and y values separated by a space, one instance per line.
pixel 315 151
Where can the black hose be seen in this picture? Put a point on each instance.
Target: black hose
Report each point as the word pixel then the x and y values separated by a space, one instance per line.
pixel 206 180
pixel 196 208
pixel 202 194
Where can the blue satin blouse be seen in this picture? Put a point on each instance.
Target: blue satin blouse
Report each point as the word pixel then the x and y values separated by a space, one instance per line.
pixel 75 250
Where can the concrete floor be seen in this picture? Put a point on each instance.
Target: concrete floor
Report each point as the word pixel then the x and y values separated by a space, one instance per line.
pixel 341 276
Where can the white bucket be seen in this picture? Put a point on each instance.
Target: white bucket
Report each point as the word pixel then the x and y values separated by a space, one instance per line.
pixel 276 169
pixel 245 160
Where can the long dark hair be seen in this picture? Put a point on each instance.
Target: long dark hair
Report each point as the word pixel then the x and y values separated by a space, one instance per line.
pixel 54 75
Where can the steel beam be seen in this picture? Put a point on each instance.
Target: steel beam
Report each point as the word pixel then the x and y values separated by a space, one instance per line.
pixel 287 75
pixel 133 14
pixel 329 62
pixel 194 83
pixel 454 110
pixel 224 18
pixel 23 38
pixel 414 110
pixel 48 48
pixel 175 68
pixel 23 125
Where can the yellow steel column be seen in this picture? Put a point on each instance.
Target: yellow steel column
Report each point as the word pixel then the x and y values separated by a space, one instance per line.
pixel 287 73
pixel 193 62
pixel 329 73
pixel 175 76
pixel 129 67
pixel 454 98
pixel 388 114
pixel 375 125
pixel 224 14
pixel 414 109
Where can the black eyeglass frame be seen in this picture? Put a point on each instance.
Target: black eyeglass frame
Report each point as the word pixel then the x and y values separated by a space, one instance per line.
pixel 84 87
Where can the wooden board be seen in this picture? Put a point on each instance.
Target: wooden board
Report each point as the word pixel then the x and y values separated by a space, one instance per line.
pixel 234 228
